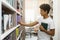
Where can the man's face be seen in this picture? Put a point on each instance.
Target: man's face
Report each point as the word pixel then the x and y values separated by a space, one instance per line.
pixel 42 12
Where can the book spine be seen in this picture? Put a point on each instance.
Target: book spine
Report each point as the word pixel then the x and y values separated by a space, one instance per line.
pixel 6 23
pixel 10 21
pixel 17 32
pixel 2 22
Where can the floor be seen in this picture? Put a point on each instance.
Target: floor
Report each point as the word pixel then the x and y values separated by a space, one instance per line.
pixel 31 37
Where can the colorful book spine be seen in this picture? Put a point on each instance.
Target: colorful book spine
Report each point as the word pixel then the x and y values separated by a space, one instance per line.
pixel 17 32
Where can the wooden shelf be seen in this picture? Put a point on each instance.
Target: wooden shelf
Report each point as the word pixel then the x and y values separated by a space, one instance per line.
pixel 8 32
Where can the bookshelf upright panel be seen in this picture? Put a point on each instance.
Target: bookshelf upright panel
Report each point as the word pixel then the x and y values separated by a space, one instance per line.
pixel 0 18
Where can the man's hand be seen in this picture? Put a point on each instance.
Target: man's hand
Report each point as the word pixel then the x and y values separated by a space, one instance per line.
pixel 51 32
pixel 30 24
pixel 42 28
pixel 36 30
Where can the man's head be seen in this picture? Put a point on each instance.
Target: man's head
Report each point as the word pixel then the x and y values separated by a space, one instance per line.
pixel 44 9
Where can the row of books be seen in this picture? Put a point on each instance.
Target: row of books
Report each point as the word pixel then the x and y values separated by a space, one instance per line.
pixel 18 30
pixel 14 35
pixel 11 2
pixel 6 21
pixel 14 2
pixel 21 3
pixel 11 36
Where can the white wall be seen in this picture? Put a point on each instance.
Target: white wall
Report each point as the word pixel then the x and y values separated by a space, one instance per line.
pixel 31 10
pixel 55 18
pixel 58 19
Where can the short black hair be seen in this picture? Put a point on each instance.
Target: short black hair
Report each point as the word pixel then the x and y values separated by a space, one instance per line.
pixel 45 7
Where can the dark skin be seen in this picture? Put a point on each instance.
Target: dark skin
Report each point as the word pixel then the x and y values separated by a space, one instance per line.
pixel 45 15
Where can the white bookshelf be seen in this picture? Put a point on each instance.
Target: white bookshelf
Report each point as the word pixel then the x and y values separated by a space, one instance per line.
pixel 8 32
pixel 6 4
pixel 13 10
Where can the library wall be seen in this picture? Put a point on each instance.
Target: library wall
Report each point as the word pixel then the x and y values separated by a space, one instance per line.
pixel 31 10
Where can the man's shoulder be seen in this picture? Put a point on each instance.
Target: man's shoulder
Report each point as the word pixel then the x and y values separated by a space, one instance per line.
pixel 50 20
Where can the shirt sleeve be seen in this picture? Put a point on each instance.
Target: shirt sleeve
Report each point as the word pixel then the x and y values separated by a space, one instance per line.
pixel 52 26
pixel 39 20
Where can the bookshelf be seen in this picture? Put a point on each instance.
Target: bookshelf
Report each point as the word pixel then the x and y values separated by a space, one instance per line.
pixel 9 7
pixel 9 27
pixel 8 32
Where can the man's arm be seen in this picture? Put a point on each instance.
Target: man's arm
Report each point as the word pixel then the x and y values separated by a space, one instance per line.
pixel 51 32
pixel 30 24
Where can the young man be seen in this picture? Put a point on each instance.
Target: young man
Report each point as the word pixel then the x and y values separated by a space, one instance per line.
pixel 44 34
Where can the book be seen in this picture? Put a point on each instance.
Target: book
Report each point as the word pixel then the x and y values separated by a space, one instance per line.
pixel 45 25
pixel 9 37
pixel 18 18
pixel 10 21
pixel 14 35
pixel 2 22
pixel 11 2
pixel 6 22
pixel 17 32
pixel 21 3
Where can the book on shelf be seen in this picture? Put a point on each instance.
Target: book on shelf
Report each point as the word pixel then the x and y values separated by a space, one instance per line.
pixel 11 2
pixel 17 32
pixel 18 9
pixel 21 3
pixel 11 36
pixel 18 18
pixel 2 23
pixel 10 21
pixel 14 35
pixel 6 21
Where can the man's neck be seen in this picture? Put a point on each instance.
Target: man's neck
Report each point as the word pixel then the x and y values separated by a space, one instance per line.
pixel 46 16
